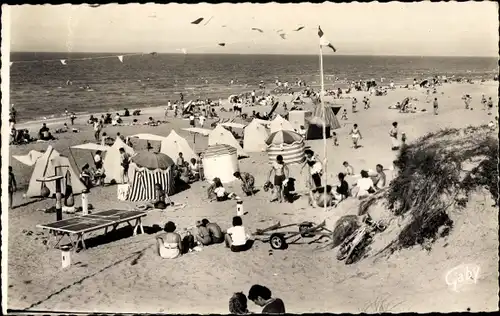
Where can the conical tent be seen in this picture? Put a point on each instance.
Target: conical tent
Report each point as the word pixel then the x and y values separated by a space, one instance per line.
pixel 174 144
pixel 330 118
pixel 221 136
pixel 111 164
pixel 254 139
pixel 51 163
pixel 279 123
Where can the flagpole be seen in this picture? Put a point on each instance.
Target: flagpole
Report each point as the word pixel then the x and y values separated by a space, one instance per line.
pixel 322 94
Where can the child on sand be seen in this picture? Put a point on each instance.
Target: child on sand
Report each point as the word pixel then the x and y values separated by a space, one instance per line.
pixel 237 239
pixel 356 136
pixel 354 103
pixel 247 182
pixel 344 115
pixel 349 170
pixel 335 139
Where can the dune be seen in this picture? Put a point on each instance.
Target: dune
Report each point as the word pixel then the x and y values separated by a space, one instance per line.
pixel 308 279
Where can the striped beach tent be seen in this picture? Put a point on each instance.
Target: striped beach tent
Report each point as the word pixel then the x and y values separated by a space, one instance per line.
pixel 145 172
pixel 288 144
pixel 221 161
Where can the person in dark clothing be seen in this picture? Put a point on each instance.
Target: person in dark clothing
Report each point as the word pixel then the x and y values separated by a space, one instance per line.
pixel 342 190
pixel 262 296
pixel 12 186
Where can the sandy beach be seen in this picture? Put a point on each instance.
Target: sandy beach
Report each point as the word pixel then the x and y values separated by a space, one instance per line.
pixel 308 279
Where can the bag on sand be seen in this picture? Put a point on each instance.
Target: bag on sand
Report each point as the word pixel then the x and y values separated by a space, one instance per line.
pixel 122 192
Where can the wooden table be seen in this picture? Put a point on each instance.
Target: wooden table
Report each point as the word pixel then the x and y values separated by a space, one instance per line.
pixel 81 225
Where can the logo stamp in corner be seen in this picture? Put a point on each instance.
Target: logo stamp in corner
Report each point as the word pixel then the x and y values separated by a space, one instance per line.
pixel 461 275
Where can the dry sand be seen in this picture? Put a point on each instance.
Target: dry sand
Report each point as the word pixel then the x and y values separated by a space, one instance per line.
pixel 127 276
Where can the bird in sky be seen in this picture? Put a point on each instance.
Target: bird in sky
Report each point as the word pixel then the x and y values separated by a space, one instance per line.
pixel 197 21
pixel 299 28
pixel 257 29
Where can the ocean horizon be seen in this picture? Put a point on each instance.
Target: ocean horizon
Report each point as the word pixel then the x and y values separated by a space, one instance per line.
pixel 39 84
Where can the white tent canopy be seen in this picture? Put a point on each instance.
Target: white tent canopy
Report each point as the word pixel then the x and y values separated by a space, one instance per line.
pixel 29 159
pixel 91 146
pixel 174 144
pixel 148 137
pixel 220 135
pixel 198 130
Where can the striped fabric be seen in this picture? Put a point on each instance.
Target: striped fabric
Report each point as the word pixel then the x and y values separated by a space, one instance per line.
pixel 293 153
pixel 142 187
pixel 219 150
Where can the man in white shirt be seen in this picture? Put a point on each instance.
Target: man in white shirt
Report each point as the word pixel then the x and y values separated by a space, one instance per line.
pixel 191 120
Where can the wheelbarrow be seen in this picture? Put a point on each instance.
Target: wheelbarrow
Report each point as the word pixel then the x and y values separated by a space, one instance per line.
pixel 280 239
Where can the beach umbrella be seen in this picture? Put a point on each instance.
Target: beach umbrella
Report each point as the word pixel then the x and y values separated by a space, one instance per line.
pixel 152 160
pixel 283 137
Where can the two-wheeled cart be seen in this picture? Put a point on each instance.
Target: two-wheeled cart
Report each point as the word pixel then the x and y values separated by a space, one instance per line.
pixel 279 238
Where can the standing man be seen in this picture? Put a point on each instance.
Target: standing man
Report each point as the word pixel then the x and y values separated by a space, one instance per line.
pixel 12 186
pixel 490 105
pixel 281 172
pixel 261 296
pixel 124 162
pixel 436 106
pixel 253 97
pixel 97 130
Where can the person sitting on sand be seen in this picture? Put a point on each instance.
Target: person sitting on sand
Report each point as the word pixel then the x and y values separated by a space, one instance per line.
pixel 247 182
pixel 85 176
pixel 363 186
pixel 344 115
pixel 162 200
pixel 221 194
pixel 44 133
pixel 169 245
pixel 380 179
pixel 262 297
pixel 342 190
pixel 238 304
pixel 194 170
pixel 214 230
pixel 355 135
pixel 202 235
pixel 237 238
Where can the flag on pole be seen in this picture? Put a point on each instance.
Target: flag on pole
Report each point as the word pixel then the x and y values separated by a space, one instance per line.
pixel 323 41
pixel 63 61
pixel 120 58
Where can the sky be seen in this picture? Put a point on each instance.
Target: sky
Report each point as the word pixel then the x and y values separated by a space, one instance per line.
pixel 395 28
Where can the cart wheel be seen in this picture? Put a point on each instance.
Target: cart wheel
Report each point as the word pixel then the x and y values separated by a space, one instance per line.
pixel 277 241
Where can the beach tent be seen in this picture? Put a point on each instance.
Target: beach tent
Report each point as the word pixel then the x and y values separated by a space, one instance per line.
pixel 315 128
pixel 51 163
pixel 254 137
pixel 145 171
pixel 298 118
pixel 279 123
pixel 288 144
pixel 111 163
pixel 329 115
pixel 174 144
pixel 145 141
pixel 29 159
pixel 220 135
pixel 221 161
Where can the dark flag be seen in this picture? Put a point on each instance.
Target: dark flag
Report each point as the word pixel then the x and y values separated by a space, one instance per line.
pixel 323 41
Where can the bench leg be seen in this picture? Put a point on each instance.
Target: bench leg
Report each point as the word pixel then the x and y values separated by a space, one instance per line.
pixel 80 239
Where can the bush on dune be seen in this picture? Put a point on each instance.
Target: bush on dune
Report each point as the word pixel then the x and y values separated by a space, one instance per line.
pixel 431 178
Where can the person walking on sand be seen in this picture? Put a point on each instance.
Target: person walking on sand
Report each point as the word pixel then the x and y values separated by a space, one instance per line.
pixel 262 297
pixel 281 172
pixel 393 134
pixel 490 105
pixel 354 103
pixel 97 130
pixel 202 119
pixel 483 101
pixel 12 187
pixel 355 135
pixel 436 106
pixel 467 99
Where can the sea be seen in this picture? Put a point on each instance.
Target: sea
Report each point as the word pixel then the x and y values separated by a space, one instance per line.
pixel 39 86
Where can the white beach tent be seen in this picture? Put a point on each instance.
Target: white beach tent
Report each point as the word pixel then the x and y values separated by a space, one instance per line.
pixel 29 159
pixel 254 137
pixel 280 124
pixel 174 144
pixel 299 118
pixel 111 164
pixel 148 137
pixel 220 161
pixel 220 135
pixel 51 163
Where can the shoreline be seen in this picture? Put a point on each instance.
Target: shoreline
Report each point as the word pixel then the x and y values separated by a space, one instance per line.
pixel 155 110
